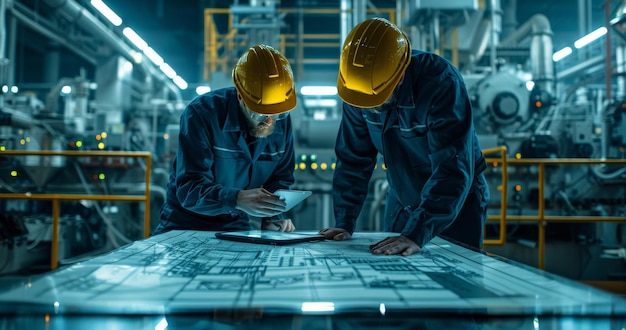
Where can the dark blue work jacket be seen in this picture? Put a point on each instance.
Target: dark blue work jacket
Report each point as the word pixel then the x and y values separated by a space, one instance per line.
pixel 216 158
pixel 431 151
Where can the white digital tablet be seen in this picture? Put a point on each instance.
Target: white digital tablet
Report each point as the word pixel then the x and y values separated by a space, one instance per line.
pixel 292 197
pixel 269 237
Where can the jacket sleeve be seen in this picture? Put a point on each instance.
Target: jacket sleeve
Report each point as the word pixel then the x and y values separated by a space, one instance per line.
pixel 196 189
pixel 450 132
pixel 356 159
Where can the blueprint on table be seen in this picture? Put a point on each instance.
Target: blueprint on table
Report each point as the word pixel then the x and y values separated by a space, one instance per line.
pixel 194 271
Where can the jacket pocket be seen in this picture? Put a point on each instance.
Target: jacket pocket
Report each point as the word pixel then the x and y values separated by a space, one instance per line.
pixel 417 130
pixel 227 153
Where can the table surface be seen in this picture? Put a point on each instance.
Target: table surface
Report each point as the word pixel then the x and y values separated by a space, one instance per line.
pixel 194 272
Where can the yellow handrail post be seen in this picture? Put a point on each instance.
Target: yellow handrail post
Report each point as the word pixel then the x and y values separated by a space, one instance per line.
pixel 146 210
pixel 54 250
pixel 542 213
pixel 505 194
pixel 503 188
pixel 57 198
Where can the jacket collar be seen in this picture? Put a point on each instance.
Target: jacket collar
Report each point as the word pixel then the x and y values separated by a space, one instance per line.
pixel 234 116
pixel 405 90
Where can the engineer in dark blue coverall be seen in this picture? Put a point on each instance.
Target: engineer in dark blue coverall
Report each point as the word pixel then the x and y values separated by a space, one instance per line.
pixel 235 149
pixel 412 107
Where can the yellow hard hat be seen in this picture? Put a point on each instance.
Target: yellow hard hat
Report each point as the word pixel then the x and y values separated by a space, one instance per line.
pixel 373 59
pixel 264 79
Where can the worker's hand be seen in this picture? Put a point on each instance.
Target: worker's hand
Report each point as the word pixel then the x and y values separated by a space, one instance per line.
pixel 395 245
pixel 278 225
pixel 259 202
pixel 337 234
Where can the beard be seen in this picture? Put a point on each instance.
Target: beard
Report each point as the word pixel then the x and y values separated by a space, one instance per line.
pixel 261 129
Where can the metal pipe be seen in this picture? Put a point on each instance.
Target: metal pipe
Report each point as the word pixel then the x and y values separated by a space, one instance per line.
pixel 541 49
pixel 493 36
pixel 358 11
pixel 11 43
pixel 4 63
pixel 620 69
pixel 584 17
pixel 37 27
pixel 15 119
pixel 607 49
pixel 345 20
pixel 3 28
pixel 79 15
pixel 509 14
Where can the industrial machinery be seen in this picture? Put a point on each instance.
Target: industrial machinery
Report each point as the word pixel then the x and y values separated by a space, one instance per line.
pixel 537 108
pixel 112 103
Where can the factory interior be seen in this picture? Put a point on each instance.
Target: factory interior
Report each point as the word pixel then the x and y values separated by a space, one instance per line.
pixel 92 92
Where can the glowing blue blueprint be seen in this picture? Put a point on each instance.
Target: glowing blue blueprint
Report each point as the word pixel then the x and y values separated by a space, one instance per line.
pixel 194 271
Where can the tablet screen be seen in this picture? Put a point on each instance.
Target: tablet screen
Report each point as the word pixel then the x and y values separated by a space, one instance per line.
pixel 292 197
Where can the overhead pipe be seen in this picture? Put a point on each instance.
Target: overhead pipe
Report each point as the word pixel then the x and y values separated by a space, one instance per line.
pixel 509 14
pixel 77 14
pixel 494 32
pixel 37 27
pixel 541 49
pixel 91 23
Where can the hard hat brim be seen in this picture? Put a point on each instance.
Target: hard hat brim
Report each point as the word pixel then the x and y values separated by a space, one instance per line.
pixel 272 109
pixel 362 100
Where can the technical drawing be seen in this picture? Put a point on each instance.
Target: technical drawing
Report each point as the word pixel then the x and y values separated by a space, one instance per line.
pixel 194 270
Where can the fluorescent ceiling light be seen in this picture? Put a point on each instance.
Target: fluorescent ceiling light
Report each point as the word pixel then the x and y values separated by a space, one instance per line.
pixel 153 56
pixel 322 103
pixel 318 306
pixel 180 82
pixel 584 41
pixel 619 15
pixel 319 115
pixel 107 12
pixel 614 21
pixel 561 54
pixel 167 69
pixel 162 325
pixel 318 90
pixel 202 89
pixel 150 53
pixel 133 37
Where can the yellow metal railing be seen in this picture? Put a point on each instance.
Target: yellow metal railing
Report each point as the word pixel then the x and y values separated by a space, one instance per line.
pixel 220 47
pixel 215 42
pixel 503 193
pixel 57 198
pixel 541 218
